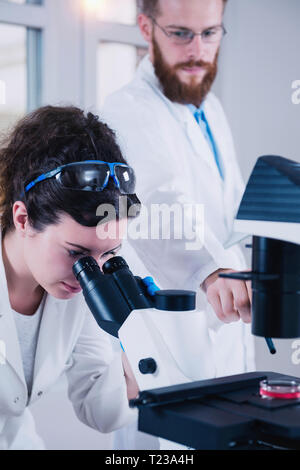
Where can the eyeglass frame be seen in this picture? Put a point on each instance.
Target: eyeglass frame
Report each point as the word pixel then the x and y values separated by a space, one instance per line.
pixel 169 34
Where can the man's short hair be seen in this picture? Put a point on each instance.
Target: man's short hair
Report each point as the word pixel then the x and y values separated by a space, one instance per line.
pixel 148 7
pixel 151 7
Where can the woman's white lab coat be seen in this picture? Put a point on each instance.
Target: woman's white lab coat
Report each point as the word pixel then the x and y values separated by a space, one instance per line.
pixel 69 341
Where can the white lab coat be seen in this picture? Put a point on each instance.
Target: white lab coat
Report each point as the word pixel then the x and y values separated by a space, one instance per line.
pixel 174 164
pixel 69 341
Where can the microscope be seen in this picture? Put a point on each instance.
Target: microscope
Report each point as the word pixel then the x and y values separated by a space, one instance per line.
pixel 247 411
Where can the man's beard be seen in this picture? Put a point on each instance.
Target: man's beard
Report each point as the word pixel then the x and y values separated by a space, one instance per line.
pixel 177 91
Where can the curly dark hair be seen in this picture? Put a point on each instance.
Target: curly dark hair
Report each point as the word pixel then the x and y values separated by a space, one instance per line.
pixel 43 140
pixel 151 7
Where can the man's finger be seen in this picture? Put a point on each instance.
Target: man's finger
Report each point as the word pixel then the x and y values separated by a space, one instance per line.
pixel 242 301
pixel 227 301
pixel 215 301
pixel 249 288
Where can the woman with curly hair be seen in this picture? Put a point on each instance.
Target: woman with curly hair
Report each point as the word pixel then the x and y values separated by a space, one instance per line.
pixel 56 168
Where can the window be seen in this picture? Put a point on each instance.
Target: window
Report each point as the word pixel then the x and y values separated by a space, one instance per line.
pixel 20 62
pixel 115 11
pixel 113 48
pixel 62 50
pixel 12 73
pixel 117 64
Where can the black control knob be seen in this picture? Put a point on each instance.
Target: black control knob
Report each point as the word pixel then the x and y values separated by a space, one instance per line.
pixel 175 300
pixel 147 366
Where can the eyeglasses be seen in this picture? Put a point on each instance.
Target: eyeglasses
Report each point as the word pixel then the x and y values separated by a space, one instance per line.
pixel 184 36
pixel 90 175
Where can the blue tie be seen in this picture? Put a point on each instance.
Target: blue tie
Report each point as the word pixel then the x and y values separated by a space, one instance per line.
pixel 204 126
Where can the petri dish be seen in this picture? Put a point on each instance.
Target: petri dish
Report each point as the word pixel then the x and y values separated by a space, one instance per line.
pixel 282 389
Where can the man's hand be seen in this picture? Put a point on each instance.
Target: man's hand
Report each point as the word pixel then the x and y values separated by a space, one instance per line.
pixel 132 386
pixel 230 299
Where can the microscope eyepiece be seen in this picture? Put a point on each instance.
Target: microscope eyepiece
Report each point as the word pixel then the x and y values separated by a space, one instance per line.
pixel 111 294
pixel 114 264
pixel 87 264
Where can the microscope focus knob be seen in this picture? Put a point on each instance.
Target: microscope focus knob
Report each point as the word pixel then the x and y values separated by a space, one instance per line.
pixel 147 366
pixel 175 300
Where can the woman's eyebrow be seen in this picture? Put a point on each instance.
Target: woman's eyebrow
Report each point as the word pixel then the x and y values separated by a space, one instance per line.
pixel 79 246
pixel 113 249
pixel 88 250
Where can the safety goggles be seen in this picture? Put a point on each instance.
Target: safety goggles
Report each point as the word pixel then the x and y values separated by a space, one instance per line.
pixel 90 175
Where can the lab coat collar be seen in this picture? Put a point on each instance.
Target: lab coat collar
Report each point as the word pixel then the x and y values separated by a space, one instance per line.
pixel 183 115
pixel 146 72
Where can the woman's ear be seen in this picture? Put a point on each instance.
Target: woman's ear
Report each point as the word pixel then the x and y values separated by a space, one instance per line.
pixel 20 217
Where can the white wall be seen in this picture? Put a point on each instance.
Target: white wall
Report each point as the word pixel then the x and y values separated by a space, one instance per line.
pixel 259 63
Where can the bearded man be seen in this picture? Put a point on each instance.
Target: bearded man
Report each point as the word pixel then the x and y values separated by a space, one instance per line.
pixel 174 133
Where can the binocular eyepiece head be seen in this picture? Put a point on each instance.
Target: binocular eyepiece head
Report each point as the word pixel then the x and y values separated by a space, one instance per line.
pixel 89 264
pixel 111 294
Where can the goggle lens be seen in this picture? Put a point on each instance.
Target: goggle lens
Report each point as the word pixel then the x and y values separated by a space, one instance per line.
pixel 86 177
pixel 89 176
pixel 95 177
pixel 126 179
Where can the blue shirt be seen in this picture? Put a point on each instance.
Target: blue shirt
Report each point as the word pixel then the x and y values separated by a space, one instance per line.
pixel 199 115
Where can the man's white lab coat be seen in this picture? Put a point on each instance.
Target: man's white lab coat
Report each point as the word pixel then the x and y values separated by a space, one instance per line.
pixel 69 341
pixel 174 164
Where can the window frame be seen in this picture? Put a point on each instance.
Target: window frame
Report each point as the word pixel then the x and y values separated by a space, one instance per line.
pixel 28 15
pixel 97 31
pixel 68 73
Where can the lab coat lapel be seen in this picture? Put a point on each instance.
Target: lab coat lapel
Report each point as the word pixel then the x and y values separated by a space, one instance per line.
pixel 48 352
pixel 218 135
pixel 8 330
pixel 9 336
pixel 196 137
pixel 233 183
